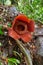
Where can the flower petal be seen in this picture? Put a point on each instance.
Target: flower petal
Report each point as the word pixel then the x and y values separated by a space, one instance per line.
pixel 22 18
pixel 31 26
pixel 13 34
pixel 26 37
pixel 26 20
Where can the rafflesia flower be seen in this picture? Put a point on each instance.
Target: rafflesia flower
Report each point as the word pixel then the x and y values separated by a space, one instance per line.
pixel 21 28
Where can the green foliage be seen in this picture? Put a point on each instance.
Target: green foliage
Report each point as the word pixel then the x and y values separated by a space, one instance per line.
pixel 1 32
pixel 0 46
pixel 8 2
pixel 9 24
pixel 2 1
pixel 5 2
pixel 12 61
pixel 32 8
pixel 14 2
pixel 0 63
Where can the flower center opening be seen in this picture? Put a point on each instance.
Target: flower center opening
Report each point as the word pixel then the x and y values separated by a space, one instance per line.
pixel 20 27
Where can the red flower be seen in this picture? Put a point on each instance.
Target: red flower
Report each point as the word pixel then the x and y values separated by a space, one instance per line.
pixel 21 28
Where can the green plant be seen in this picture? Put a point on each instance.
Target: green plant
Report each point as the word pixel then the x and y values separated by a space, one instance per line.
pixel 1 32
pixel 32 8
pixel 0 63
pixel 12 61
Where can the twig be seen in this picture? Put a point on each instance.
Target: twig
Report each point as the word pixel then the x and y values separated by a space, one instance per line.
pixel 24 51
